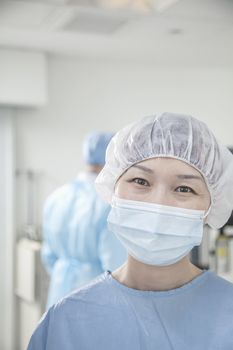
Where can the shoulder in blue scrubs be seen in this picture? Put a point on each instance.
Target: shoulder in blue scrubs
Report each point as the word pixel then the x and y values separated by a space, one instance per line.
pixel 107 315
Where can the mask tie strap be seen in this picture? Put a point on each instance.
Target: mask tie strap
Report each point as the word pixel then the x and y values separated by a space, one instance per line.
pixel 207 213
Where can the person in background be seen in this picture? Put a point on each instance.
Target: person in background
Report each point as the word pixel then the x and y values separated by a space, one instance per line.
pixel 77 245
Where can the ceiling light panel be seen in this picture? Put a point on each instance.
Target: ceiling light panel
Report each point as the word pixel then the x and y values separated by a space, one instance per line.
pixel 95 22
pixel 23 14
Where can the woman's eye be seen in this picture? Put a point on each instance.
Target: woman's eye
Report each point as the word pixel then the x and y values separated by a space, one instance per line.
pixel 140 181
pixel 184 189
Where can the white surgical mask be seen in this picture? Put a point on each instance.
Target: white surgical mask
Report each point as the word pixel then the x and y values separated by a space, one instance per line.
pixel 156 234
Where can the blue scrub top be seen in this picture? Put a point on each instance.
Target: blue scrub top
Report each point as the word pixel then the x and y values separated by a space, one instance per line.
pixel 77 244
pixel 107 315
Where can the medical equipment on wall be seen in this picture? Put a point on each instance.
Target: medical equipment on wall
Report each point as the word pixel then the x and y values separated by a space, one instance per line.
pixel 224 250
pixel 30 287
pixel 28 187
pixel 222 254
pixel 216 250
pixel 31 283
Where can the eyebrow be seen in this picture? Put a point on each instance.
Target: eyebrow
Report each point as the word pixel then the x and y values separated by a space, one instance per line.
pixel 187 177
pixel 141 167
pixel 180 176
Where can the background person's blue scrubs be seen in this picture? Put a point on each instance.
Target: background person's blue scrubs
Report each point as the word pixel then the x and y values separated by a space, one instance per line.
pixel 77 244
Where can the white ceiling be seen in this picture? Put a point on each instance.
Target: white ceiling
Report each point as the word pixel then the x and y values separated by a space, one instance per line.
pixel 187 32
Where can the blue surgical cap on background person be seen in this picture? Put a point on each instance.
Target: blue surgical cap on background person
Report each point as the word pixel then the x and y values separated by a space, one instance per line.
pixel 94 147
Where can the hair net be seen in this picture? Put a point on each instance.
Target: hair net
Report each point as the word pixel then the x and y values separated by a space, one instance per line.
pixel 94 147
pixel 177 136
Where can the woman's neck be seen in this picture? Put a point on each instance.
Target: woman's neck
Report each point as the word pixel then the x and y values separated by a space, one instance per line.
pixel 137 275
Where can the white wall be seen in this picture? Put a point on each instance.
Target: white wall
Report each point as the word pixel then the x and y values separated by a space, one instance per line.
pixel 84 96
pixel 7 237
pixel 23 78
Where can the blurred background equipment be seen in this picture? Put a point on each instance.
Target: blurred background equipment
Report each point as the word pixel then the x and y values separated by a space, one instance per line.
pixel 31 285
pixel 31 288
pixel 216 250
pixel 28 185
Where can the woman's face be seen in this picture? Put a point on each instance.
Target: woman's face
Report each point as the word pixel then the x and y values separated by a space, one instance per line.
pixel 165 181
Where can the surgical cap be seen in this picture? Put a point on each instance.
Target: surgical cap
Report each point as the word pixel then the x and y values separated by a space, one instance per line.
pixel 176 136
pixel 94 147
